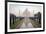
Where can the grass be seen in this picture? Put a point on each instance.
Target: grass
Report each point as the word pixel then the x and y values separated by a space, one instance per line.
pixel 16 23
pixel 13 26
pixel 35 24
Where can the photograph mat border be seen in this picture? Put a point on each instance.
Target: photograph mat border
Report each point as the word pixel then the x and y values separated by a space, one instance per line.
pixel 12 30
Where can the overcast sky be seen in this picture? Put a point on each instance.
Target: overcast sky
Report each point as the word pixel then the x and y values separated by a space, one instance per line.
pixel 14 8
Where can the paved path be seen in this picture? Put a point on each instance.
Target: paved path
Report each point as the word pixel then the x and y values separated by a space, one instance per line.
pixel 26 23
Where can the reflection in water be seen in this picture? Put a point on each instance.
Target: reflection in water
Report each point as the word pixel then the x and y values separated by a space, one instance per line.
pixel 26 23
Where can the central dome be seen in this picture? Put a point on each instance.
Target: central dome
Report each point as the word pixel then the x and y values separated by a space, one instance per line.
pixel 26 13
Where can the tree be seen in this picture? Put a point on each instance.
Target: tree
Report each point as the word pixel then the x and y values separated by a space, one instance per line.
pixel 12 18
pixel 39 17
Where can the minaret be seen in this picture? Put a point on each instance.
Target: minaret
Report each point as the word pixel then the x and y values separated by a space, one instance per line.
pixel 33 12
pixel 19 13
pixel 26 12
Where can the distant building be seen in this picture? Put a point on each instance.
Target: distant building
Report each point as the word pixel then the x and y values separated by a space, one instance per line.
pixel 26 13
